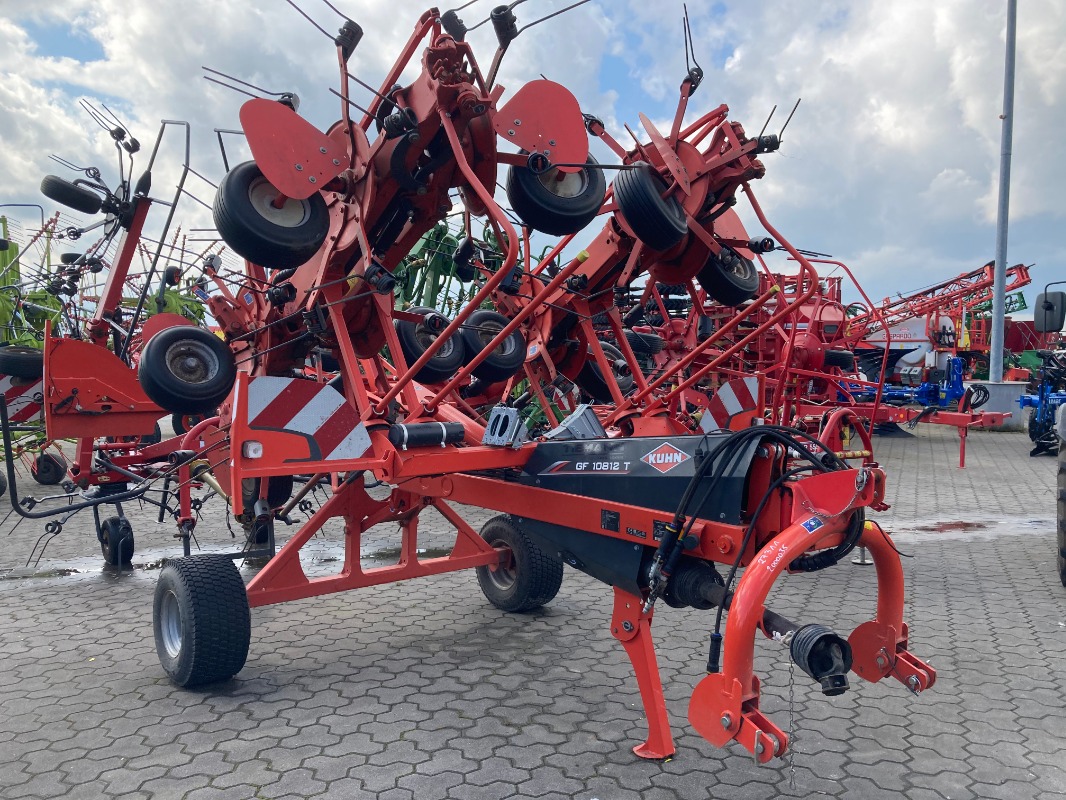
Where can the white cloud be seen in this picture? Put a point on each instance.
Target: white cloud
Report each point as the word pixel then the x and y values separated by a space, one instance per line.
pixel 894 150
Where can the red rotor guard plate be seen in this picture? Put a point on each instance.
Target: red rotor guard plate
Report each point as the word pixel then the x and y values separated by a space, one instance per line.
pixel 545 117
pixel 670 158
pixel 290 150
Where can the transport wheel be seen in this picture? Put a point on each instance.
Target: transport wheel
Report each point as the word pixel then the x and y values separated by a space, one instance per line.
pixel 645 344
pixel 186 370
pixel 844 359
pixel 729 278
pixel 67 194
pixel 201 618
pixel 1062 513
pixel 3 484
pixel 592 382
pixel 480 329
pixel 416 337
pixel 116 541
pixel 531 577
pixel 555 202
pixel 48 469
pixel 21 362
pixel 659 223
pixel 277 238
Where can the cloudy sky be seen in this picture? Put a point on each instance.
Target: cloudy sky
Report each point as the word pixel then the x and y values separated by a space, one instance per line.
pixel 890 164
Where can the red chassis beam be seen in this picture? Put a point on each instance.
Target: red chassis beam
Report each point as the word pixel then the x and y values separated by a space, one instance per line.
pixel 818 517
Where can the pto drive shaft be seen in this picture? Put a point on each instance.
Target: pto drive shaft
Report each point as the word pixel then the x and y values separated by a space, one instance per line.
pixel 816 649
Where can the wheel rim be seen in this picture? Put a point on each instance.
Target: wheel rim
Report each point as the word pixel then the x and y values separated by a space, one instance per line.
pixel 425 338
pixel 739 267
pixel 192 362
pixel 170 624
pixel 564 184
pixel 487 331
pixel 293 214
pixel 504 576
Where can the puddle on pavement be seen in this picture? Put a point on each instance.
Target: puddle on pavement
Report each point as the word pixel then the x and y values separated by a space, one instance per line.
pixel 392 554
pixel 93 567
pixel 973 529
pixel 942 527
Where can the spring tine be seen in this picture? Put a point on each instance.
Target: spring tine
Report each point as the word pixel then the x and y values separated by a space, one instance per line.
pixel 234 88
pixel 242 83
pixel 349 102
pixel 781 135
pixel 303 14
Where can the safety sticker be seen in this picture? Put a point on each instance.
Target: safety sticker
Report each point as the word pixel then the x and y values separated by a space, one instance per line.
pixel 813 524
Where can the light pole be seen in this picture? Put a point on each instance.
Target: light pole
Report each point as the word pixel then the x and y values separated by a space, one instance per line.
pixel 995 357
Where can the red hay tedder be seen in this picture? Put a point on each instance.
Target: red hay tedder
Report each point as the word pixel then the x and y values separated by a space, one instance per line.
pixel 627 488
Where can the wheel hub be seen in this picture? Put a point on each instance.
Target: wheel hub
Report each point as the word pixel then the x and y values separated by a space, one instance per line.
pixel 191 362
pixel 503 576
pixel 564 184
pixel 488 331
pixel 262 194
pixel 170 624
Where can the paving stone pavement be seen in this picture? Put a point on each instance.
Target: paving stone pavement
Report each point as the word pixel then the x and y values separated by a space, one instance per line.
pixel 422 690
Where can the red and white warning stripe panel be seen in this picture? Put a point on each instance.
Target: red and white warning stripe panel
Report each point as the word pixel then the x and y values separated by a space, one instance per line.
pixel 736 403
pixel 24 400
pixel 316 411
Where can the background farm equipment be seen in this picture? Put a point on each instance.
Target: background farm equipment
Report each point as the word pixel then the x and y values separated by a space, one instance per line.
pixel 925 328
pixel 88 384
pixel 1045 403
pixel 430 405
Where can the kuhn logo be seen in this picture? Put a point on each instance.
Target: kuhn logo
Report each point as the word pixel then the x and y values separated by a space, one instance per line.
pixel 665 457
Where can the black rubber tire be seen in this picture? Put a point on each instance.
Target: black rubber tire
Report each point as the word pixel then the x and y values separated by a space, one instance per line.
pixel 729 277
pixel 462 260
pixel 67 194
pixel 533 576
pixel 3 484
pixel 116 541
pixel 21 362
pixel 207 380
pixel 48 469
pixel 183 423
pixel 414 341
pixel 553 206
pixel 69 258
pixel 672 288
pixel 172 276
pixel 659 223
pixel 591 380
pixel 202 622
pixel 844 359
pixel 1061 514
pixel 279 490
pixel 645 344
pixel 506 359
pixel 288 237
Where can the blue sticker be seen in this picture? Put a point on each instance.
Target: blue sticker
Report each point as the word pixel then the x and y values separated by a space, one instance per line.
pixel 248 298
pixel 813 524
pixel 201 294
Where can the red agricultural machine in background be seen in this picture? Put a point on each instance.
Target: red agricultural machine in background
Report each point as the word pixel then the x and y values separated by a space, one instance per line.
pixel 628 487
pixel 89 371
pixel 945 320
